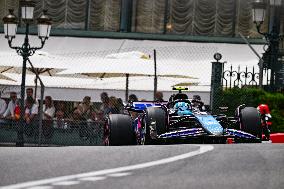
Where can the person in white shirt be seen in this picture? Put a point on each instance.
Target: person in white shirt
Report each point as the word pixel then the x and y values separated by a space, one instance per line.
pixel 3 106
pixel 31 110
pixel 10 111
pixel 48 108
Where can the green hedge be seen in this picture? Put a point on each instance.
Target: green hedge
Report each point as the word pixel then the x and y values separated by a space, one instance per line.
pixel 253 97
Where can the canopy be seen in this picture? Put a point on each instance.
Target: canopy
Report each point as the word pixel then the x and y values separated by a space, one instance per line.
pixel 106 67
pixel 41 60
pixel 126 66
pixel 196 58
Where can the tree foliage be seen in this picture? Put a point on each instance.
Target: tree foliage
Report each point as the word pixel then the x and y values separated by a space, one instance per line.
pixel 232 98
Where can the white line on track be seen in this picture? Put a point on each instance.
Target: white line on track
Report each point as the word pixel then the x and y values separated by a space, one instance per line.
pixel 92 178
pixel 41 187
pixel 66 183
pixel 119 174
pixel 51 181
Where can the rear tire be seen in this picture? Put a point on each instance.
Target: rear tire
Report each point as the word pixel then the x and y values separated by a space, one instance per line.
pixel 250 120
pixel 154 114
pixel 121 130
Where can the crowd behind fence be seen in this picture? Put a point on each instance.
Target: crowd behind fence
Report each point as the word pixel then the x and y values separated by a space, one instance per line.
pixel 64 123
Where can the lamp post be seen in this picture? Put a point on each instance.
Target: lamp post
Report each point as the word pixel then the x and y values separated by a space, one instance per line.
pixel 10 29
pixel 273 36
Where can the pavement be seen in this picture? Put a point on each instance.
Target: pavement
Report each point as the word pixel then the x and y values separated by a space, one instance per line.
pixel 253 166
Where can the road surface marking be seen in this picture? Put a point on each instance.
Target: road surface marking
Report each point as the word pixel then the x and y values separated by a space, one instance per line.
pixel 118 174
pixel 92 178
pixel 41 187
pixel 66 183
pixel 201 150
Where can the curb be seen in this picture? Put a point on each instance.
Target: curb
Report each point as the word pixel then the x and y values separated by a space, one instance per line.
pixel 277 137
pixel 28 145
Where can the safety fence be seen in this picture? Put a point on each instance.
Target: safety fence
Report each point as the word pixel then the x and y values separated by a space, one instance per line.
pixel 81 123
pixel 55 132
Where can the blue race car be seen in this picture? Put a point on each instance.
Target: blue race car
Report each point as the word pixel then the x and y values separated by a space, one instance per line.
pixel 180 120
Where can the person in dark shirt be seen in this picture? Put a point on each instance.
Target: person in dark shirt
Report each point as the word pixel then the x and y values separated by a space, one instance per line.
pixel 159 96
pixel 105 103
pixel 132 98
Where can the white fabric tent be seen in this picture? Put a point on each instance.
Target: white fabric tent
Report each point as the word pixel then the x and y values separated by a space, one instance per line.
pixel 127 66
pixel 74 89
pixel 190 58
pixel 108 67
pixel 40 59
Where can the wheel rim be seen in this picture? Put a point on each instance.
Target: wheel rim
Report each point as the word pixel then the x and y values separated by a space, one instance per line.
pixel 143 132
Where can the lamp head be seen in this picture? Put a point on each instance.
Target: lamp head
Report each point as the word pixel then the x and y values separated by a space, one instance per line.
pixel 44 25
pixel 10 24
pixel 258 10
pixel 27 8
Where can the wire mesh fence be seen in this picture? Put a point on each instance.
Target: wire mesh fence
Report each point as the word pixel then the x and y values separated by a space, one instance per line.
pixel 80 119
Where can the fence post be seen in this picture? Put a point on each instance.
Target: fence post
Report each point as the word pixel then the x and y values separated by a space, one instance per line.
pixel 216 82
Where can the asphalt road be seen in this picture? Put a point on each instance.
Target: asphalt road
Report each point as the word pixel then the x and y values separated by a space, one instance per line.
pixel 253 166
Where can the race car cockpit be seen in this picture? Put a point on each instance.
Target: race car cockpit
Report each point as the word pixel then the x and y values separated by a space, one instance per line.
pixel 179 103
pixel 183 107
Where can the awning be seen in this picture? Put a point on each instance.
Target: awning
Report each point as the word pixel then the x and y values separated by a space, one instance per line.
pixel 187 56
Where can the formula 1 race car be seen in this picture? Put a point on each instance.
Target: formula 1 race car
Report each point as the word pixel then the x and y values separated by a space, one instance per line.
pixel 180 120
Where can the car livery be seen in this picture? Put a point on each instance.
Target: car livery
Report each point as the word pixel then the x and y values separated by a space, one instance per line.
pixel 179 121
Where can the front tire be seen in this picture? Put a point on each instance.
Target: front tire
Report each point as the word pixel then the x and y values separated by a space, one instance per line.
pixel 120 130
pixel 250 121
pixel 155 124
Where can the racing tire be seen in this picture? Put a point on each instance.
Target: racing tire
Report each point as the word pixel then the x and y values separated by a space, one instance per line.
pixel 154 114
pixel 121 130
pixel 250 121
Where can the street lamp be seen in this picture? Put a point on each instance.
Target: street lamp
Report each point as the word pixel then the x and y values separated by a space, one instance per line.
pixel 10 29
pixel 273 36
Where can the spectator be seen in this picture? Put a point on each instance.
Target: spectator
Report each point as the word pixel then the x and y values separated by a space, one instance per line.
pixel 76 116
pixel 105 106
pixel 159 96
pixel 120 105
pixel 10 111
pixel 84 108
pixel 132 98
pixel 197 103
pixel 97 115
pixel 60 115
pixel 48 108
pixel 3 106
pixel 29 92
pixel 60 110
pixel 48 115
pixel 113 105
pixel 31 110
